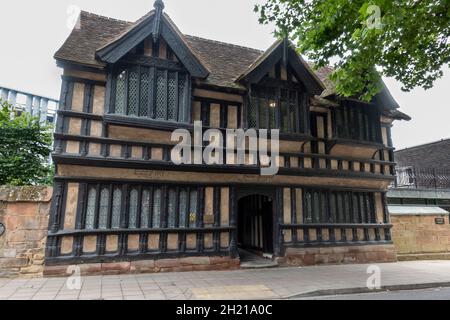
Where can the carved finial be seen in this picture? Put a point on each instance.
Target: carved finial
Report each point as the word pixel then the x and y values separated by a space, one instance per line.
pixel 159 6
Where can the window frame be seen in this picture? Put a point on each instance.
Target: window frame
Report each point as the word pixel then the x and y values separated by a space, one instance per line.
pixel 363 118
pixel 341 207
pixel 157 211
pixel 183 113
pixel 259 92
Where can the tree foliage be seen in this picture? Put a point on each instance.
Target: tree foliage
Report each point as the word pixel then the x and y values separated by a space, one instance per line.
pixel 25 146
pixel 407 39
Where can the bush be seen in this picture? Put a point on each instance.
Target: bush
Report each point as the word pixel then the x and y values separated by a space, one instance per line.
pixel 25 146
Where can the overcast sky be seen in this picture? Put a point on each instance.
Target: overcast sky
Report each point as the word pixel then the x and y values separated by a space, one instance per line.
pixel 31 32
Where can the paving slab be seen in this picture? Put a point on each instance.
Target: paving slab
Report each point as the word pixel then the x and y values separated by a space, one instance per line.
pixel 278 283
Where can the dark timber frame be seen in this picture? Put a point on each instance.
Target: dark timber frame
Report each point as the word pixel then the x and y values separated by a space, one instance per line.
pixel 150 208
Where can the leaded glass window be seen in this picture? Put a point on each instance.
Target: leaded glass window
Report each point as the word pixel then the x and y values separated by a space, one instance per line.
pixel 183 208
pixel 171 96
pixel 182 96
pixel 274 108
pixel 116 208
pixel 193 210
pixel 157 198
pixel 252 110
pixel 145 209
pixel 152 93
pixel 357 121
pixel 133 208
pixel 103 208
pixel 284 110
pixel 90 208
pixel 161 94
pixel 322 206
pixel 133 90
pixel 121 83
pixel 144 92
pixel 172 208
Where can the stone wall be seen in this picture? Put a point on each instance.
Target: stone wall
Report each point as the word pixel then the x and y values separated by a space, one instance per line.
pixel 204 263
pixel 418 237
pixel 339 255
pixel 24 213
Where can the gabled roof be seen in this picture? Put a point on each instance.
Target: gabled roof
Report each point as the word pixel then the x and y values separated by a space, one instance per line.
pixel 282 50
pixel 149 25
pixel 226 63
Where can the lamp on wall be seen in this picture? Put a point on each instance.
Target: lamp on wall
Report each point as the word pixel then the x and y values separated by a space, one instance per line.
pixel 2 229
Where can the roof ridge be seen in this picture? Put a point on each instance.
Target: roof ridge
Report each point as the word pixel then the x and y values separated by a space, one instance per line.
pixel 226 43
pixel 104 17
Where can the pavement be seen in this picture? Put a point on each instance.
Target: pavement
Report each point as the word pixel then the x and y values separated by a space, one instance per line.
pixel 425 294
pixel 257 284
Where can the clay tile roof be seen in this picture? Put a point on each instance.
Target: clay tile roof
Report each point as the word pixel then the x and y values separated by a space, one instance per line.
pixel 95 31
pixel 225 61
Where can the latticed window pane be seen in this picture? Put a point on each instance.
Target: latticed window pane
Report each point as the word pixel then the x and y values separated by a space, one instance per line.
pixel 133 99
pixel 183 208
pixel 182 97
pixel 90 209
pixel 272 109
pixel 145 208
pixel 156 219
pixel 103 209
pixel 172 208
pixel 121 104
pixel 262 112
pixel 252 113
pixel 133 208
pixel 284 111
pixel 171 95
pixel 116 208
pixel 293 111
pixel 161 92
pixel 193 209
pixel 145 87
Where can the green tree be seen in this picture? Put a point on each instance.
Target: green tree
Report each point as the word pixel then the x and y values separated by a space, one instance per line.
pixel 25 145
pixel 365 39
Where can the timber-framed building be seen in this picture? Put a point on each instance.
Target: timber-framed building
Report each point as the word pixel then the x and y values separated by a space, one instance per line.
pixel 120 203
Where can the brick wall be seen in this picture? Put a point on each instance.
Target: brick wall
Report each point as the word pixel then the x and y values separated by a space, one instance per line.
pixel 419 237
pixel 24 213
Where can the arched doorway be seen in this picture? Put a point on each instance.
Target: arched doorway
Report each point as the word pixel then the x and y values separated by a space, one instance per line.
pixel 255 224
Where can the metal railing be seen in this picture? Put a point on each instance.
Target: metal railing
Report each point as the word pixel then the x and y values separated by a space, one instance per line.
pixel 421 178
